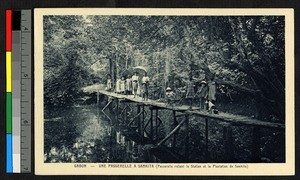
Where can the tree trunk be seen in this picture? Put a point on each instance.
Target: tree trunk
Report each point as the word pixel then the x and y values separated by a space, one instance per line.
pixel 167 72
pixel 117 67
pixel 126 60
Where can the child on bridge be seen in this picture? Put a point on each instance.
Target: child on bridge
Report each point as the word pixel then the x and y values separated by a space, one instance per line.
pixel 169 96
pixel 108 83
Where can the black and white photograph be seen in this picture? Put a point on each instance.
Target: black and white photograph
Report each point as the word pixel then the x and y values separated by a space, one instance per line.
pixel 163 88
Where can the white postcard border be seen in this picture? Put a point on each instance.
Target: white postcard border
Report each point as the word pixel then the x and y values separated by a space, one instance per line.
pixel 42 168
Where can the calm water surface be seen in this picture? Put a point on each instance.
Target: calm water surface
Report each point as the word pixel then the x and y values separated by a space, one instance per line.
pixel 83 134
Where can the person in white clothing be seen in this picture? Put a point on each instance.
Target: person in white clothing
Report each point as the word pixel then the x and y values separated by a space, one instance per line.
pixel 108 83
pixel 128 85
pixel 135 79
pixel 122 85
pixel 145 87
pixel 118 87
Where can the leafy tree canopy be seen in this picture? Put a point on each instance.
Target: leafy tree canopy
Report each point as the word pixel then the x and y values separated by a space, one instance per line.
pixel 244 53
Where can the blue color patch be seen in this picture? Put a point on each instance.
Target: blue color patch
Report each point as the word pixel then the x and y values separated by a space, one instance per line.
pixel 9 167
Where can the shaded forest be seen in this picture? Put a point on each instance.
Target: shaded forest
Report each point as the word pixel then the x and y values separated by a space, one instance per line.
pixel 245 54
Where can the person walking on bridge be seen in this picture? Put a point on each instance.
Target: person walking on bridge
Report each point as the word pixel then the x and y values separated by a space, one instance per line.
pixel 145 85
pixel 212 89
pixel 135 80
pixel 118 85
pixel 109 83
pixel 122 85
pixel 202 95
pixel 128 86
pixel 190 91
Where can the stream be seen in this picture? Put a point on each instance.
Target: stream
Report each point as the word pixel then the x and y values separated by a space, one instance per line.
pixel 83 134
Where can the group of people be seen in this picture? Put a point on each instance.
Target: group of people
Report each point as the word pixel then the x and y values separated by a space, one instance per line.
pixel 130 85
pixel 207 96
pixel 206 93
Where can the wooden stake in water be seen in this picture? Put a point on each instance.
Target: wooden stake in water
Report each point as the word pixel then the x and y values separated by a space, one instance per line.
pixel 98 98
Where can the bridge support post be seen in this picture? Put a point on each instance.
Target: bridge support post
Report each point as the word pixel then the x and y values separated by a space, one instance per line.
pixel 98 98
pixel 228 143
pixel 151 123
pixel 125 112
pixel 139 119
pixel 172 132
pixel 187 137
pixel 256 144
pixel 175 123
pixel 207 158
pixel 143 121
pixel 156 124
pixel 117 111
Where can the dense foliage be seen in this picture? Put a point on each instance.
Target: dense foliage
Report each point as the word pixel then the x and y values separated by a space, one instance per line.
pixel 244 53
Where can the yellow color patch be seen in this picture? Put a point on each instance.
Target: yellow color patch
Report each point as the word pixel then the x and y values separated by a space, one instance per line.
pixel 8 72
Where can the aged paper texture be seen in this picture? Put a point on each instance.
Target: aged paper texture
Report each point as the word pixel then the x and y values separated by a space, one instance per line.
pixel 95 49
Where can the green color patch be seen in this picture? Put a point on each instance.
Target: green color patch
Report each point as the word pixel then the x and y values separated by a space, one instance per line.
pixel 8 113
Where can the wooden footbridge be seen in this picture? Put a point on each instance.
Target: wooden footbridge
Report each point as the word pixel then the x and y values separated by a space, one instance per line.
pixel 180 119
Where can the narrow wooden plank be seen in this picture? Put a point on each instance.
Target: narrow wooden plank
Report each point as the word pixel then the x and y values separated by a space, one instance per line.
pixel 225 117
pixel 237 119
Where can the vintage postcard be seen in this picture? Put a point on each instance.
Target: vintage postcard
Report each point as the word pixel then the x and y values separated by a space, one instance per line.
pixel 164 91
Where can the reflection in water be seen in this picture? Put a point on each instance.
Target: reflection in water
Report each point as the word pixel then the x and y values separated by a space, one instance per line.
pixel 82 134
pixel 120 138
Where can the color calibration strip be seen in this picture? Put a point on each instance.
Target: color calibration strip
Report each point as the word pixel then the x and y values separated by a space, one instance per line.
pixel 9 157
pixel 18 91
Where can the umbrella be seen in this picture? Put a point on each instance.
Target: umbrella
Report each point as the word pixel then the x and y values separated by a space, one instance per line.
pixel 139 69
